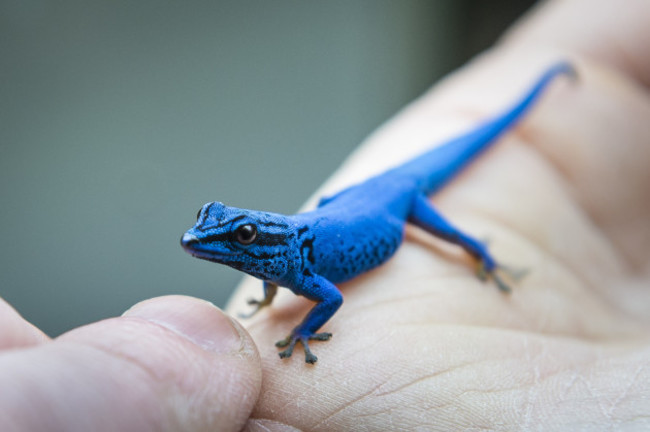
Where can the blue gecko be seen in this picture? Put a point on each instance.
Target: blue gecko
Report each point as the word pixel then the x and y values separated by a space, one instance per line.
pixel 353 231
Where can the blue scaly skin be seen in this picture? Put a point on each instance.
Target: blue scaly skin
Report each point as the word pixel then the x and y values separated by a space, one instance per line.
pixel 353 231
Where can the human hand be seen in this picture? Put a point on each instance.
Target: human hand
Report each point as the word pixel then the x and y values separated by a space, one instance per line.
pixel 420 342
pixel 168 364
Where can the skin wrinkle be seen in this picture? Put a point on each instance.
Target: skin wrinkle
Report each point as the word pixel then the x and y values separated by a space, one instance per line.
pixel 121 356
pixel 263 424
pixel 581 378
pixel 348 404
pixel 528 419
pixel 459 422
pixel 472 364
pixel 375 413
pixel 425 378
pixel 288 401
pixel 595 396
pixel 533 332
pixel 532 395
pixel 625 390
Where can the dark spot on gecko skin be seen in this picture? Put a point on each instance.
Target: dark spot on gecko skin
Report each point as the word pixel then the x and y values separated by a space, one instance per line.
pixel 266 239
pixel 309 245
pixel 275 224
pixel 260 256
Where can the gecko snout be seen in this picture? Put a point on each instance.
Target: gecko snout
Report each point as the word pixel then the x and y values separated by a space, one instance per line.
pixel 188 240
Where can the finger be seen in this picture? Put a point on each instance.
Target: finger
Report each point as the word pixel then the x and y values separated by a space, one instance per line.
pixel 602 152
pixel 15 331
pixel 171 363
pixel 598 139
pixel 610 32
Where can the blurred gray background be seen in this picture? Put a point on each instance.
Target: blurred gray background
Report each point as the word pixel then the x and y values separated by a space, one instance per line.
pixel 119 119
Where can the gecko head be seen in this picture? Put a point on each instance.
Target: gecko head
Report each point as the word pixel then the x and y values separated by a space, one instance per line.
pixel 251 241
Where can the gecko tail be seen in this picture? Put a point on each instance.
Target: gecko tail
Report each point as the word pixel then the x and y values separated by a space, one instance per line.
pixel 439 165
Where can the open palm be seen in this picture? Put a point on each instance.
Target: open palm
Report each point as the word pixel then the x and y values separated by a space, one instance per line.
pixel 421 342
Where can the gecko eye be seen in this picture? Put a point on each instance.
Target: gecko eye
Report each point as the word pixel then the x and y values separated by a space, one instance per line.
pixel 246 234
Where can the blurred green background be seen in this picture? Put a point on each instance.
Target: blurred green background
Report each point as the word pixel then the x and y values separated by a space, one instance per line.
pixel 119 119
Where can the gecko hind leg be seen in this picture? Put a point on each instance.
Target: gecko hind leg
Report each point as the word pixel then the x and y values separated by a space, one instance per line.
pixel 425 216
pixel 270 289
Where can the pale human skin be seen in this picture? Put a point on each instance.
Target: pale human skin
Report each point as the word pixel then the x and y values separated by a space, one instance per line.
pixel 420 343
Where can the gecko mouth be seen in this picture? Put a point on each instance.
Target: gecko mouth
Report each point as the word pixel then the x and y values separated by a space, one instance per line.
pixel 193 245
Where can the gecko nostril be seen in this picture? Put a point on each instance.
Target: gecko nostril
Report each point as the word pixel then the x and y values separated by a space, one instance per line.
pixel 188 240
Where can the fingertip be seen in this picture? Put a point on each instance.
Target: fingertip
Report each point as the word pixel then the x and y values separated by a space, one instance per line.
pixel 181 361
pixel 198 321
pixel 16 332
pixel 230 378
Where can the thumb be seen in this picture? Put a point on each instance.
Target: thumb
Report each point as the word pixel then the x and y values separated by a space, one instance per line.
pixel 171 363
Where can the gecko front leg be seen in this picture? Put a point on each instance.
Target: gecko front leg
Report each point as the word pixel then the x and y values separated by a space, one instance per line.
pixel 270 289
pixel 329 299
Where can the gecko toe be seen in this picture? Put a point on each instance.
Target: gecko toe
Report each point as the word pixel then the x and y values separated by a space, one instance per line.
pixel 290 342
pixel 502 276
pixel 504 287
pixel 286 353
pixel 320 336
pixel 259 305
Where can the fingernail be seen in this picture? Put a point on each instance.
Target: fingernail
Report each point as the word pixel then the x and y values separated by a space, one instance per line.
pixel 198 321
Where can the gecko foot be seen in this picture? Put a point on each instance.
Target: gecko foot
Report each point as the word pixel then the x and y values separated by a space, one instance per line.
pixel 270 289
pixel 500 274
pixel 259 305
pixel 290 343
